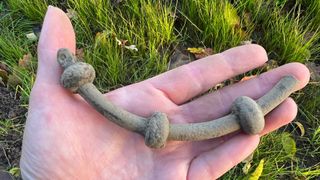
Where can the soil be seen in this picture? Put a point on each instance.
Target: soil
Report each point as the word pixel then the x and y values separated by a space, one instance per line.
pixel 10 135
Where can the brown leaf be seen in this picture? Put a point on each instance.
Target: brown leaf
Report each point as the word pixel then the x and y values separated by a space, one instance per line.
pixel 247 17
pixel 247 77
pixel 122 42
pixel 200 52
pixel 270 64
pixel 205 53
pixel 4 67
pixel 4 71
pixel 80 54
pixel 25 62
pixel 3 76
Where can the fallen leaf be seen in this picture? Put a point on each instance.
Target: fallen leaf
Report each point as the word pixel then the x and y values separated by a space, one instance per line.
pixel 258 171
pixel 132 47
pixel 118 41
pixel 247 16
pixel 32 36
pixel 4 71
pixel 200 52
pixel 207 52
pixel 121 42
pixel 124 42
pixel 246 167
pixel 80 54
pixel 301 128
pixel 247 78
pixel 196 50
pixel 4 67
pixel 25 62
pixel 270 64
pixel 3 76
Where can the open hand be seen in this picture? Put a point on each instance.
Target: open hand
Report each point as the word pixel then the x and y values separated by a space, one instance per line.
pixel 65 138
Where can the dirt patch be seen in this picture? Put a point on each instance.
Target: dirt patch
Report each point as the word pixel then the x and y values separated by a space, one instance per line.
pixel 12 118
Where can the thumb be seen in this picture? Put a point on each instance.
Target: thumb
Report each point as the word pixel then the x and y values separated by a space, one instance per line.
pixel 57 32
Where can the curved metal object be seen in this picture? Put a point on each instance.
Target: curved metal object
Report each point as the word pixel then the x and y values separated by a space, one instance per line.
pixel 246 114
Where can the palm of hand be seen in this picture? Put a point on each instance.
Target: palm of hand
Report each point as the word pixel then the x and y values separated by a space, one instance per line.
pixel 76 135
pixel 65 137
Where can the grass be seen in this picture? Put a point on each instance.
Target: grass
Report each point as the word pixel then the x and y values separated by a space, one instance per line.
pixel 14 45
pixel 32 9
pixel 218 27
pixel 292 34
pixel 149 28
pixel 289 32
pixel 313 12
pixel 286 35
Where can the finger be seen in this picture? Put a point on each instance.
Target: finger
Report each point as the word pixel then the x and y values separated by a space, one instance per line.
pixel 57 32
pixel 217 104
pixel 189 80
pixel 274 120
pixel 282 115
pixel 214 163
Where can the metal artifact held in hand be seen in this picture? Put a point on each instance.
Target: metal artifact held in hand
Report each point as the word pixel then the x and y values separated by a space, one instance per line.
pixel 246 114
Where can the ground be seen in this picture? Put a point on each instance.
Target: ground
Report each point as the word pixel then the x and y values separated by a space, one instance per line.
pixel 10 141
pixel 288 30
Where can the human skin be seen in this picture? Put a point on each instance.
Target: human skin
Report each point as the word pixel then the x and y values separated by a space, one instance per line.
pixel 65 138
